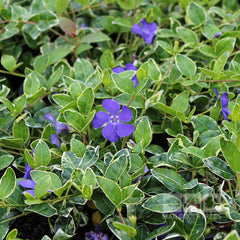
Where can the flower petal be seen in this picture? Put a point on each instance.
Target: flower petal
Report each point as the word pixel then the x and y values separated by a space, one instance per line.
pixel 137 29
pixel 226 113
pixel 111 106
pixel 125 115
pixel 109 132
pixel 144 24
pixel 224 99
pixel 28 169
pixel 124 130
pixel 100 119
pixel 216 92
pixel 152 28
pixel 27 184
pixel 55 140
pixel 148 38
pixel 50 117
pixel 130 66
pixel 31 192
pixel 118 69
pixel 135 80
pixel 60 127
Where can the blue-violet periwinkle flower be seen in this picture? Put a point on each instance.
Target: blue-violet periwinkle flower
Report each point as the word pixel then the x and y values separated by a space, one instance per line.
pixel 114 128
pixel 146 30
pixel 224 103
pixel 217 35
pixel 128 67
pixel 30 184
pixel 28 169
pixel 59 127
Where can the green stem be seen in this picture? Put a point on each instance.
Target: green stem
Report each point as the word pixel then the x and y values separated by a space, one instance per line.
pixel 13 73
pixel 230 188
pixel 15 217
pixel 2 130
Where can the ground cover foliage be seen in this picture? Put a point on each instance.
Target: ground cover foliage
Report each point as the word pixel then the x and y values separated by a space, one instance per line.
pixel 119 119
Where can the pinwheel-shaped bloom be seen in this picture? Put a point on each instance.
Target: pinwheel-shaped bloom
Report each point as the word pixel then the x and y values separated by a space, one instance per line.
pixel 146 30
pixel 224 103
pixel 114 128
pixel 59 127
pixel 129 66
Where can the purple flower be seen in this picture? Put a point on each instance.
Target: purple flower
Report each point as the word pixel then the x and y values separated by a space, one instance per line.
pixel 59 127
pixel 224 103
pixel 217 35
pixel 113 126
pixel 146 30
pixel 97 235
pixel 30 184
pixel 28 169
pixel 129 66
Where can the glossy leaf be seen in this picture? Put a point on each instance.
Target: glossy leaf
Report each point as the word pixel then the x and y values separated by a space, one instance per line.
pixel 163 203
pixel 185 65
pixel 7 183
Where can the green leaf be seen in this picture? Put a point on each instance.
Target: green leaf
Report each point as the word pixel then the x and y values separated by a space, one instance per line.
pixel 231 154
pixel 185 65
pixel 75 119
pixel 111 190
pixel 169 178
pixel 7 183
pixel 116 168
pixel 5 160
pixel 207 50
pixel 88 180
pixel 195 151
pixel 55 77
pixel 31 84
pixel 220 63
pixel 198 194
pixel 219 167
pixel 82 69
pixel 8 62
pixel 123 81
pixel 40 63
pixel 180 102
pixel 61 5
pixel 163 203
pixel 131 231
pixel 62 99
pixel 41 154
pixel 7 104
pixel 42 186
pixel 77 147
pixel 20 130
pixel 204 123
pixel 143 132
pixel 3 230
pixel 54 181
pixel 235 114
pixel 233 235
pixel 85 101
pixel 12 235
pixel 196 13
pixel 188 36
pixel 129 4
pixel 43 209
pixel 83 2
pixel 225 45
pixel 20 103
pixel 194 222
pixel 166 46
pixel 95 37
pixel 160 231
pixel 153 70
